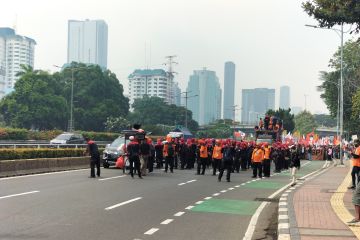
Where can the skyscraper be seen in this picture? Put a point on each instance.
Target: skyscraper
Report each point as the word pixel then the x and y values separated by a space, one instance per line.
pixel 88 42
pixel 284 97
pixel 206 106
pixel 15 50
pixel 255 103
pixel 229 90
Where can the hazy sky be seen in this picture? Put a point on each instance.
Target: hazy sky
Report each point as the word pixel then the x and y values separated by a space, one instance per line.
pixel 266 39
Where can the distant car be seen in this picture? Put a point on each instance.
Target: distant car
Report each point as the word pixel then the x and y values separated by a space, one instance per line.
pixel 113 151
pixel 69 138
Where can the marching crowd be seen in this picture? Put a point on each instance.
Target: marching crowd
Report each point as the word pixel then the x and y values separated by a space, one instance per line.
pixel 220 155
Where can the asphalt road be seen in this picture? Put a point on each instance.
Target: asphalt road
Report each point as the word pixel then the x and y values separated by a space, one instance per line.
pixel 179 205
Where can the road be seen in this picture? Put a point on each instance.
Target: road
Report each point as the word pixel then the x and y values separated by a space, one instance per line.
pixel 179 205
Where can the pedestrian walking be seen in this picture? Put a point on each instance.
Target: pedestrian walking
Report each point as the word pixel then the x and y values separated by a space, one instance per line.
pixel 356 166
pixel 202 159
pixel 216 157
pixel 294 163
pixel 257 158
pixel 168 153
pixel 356 202
pixel 133 151
pixel 228 153
pixel 144 156
pixel 93 151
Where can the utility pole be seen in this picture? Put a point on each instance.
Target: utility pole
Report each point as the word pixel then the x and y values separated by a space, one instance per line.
pixel 170 62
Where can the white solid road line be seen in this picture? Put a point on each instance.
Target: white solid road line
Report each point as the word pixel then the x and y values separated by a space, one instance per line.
pixel 104 179
pixel 123 203
pixel 194 180
pixel 151 231
pixel 179 214
pixel 167 221
pixel 19 194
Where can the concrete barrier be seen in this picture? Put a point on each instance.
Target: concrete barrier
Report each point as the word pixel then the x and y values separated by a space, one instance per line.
pixel 18 167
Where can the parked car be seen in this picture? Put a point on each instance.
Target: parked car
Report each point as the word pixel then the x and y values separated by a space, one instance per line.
pixel 69 138
pixel 113 151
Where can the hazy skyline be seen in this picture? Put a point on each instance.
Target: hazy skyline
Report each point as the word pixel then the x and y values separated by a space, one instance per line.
pixel 267 40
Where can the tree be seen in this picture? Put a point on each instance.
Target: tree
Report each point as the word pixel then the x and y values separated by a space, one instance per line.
pixel 325 120
pixel 116 124
pixel 305 122
pixel 334 12
pixel 154 110
pixel 285 116
pixel 97 96
pixel 36 103
pixel 330 81
pixel 218 129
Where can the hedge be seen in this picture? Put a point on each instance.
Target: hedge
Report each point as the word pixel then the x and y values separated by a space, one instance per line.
pixel 30 153
pixel 24 134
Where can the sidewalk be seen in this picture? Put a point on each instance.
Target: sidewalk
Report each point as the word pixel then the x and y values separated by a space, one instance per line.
pixel 319 207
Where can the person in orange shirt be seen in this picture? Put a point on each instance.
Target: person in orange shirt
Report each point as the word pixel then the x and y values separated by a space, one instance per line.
pixel 356 166
pixel 261 124
pixel 257 158
pixel 203 156
pixel 216 157
pixel 267 161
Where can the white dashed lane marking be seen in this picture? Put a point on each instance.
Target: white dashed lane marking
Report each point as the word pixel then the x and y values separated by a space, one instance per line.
pixel 151 231
pixel 123 203
pixel 19 194
pixel 167 221
pixel 190 181
pixel 199 202
pixel 178 214
pixel 104 179
pixel 207 198
pixel 189 207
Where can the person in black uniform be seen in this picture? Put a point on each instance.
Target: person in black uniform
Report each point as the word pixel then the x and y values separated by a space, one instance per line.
pixel 237 158
pixel 227 161
pixel 133 150
pixel 183 152
pixel 93 151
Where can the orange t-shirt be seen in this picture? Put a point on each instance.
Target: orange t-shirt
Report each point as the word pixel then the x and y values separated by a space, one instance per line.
pixel 258 155
pixel 267 153
pixel 356 161
pixel 217 153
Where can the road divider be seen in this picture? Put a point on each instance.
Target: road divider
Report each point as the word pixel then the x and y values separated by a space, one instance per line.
pixel 18 194
pixel 123 203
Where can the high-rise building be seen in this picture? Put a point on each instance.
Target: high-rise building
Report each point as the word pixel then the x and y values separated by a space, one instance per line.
pixel 88 42
pixel 206 106
pixel 229 90
pixel 284 97
pixel 15 50
pixel 255 103
pixel 176 94
pixel 150 82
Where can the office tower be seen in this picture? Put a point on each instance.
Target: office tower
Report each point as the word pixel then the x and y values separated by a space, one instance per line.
pixel 284 97
pixel 88 42
pixel 229 90
pixel 206 106
pixel 255 103
pixel 15 50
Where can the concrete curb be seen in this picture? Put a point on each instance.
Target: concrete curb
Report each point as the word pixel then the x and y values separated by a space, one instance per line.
pixel 9 168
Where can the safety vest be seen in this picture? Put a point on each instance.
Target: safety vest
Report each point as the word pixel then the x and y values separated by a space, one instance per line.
pixel 203 152
pixel 217 153
pixel 356 161
pixel 258 155
pixel 267 153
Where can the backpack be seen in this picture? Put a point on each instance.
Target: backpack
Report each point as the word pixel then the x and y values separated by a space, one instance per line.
pixel 170 150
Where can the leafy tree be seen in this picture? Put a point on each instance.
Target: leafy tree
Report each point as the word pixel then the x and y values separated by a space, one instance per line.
pixel 116 124
pixel 334 12
pixel 218 129
pixel 305 122
pixel 285 116
pixel 154 110
pixel 36 103
pixel 330 83
pixel 325 120
pixel 97 96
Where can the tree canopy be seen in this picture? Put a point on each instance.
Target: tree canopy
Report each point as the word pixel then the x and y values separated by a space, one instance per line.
pixel 154 110
pixel 305 122
pixel 218 129
pixel 334 12
pixel 42 100
pixel 285 116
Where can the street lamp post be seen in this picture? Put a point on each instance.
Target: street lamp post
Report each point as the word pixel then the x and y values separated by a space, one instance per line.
pixel 71 127
pixel 341 94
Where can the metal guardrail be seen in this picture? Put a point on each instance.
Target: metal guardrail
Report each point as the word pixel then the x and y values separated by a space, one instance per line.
pixel 42 145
